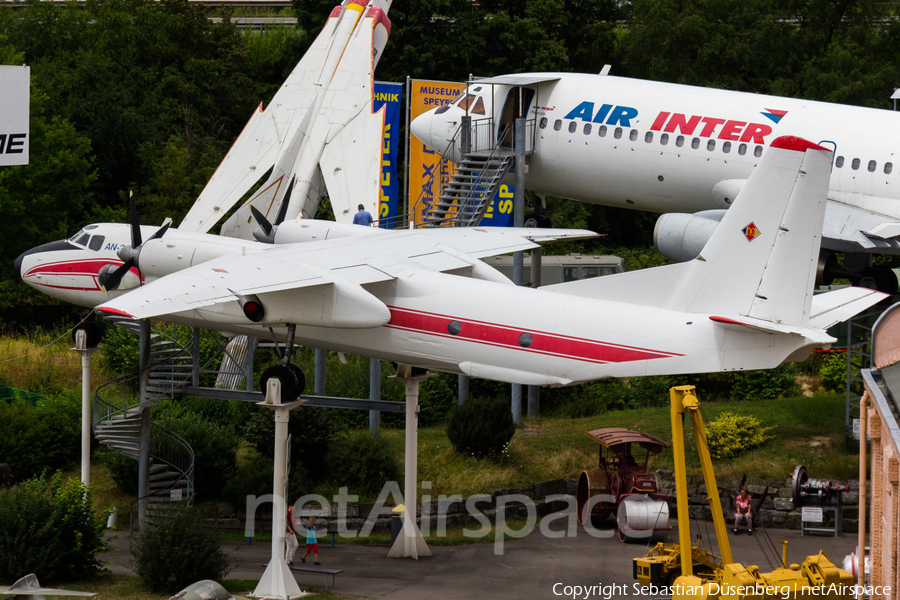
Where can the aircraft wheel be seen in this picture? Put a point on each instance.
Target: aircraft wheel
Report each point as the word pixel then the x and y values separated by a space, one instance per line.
pixel 879 278
pixel 292 381
pixel 92 331
pixel 537 219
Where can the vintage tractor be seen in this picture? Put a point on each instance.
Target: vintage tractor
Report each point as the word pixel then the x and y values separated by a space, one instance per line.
pixel 622 487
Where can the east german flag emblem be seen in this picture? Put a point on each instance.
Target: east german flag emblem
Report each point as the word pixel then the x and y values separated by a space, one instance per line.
pixel 751 232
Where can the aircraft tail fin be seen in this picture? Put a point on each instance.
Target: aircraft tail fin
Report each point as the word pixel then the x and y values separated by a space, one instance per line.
pixel 761 260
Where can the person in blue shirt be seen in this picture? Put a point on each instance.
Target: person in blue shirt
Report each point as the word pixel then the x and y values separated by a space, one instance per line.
pixel 363 217
pixel 312 546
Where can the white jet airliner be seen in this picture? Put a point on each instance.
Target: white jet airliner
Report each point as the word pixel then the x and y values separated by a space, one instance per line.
pixel 671 148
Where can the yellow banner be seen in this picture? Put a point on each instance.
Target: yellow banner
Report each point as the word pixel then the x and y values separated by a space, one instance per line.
pixel 427 173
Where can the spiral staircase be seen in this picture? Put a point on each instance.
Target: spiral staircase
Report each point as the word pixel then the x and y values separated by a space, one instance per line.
pixel 117 422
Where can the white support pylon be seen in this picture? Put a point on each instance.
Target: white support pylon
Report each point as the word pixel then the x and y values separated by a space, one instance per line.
pixel 278 581
pixel 82 348
pixel 410 542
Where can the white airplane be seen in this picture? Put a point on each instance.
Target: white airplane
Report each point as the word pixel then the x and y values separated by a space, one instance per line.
pixel 318 130
pixel 688 151
pixel 423 297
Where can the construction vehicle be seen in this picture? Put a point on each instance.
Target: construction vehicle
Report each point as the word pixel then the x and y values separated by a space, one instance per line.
pixel 621 486
pixel 689 571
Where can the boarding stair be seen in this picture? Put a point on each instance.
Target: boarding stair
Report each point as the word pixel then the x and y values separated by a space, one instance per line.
pixel 466 197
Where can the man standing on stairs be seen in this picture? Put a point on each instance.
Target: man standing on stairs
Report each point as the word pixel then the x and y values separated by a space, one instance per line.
pixel 290 540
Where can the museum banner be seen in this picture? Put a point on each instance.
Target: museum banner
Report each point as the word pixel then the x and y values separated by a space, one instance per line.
pixel 388 96
pixel 14 107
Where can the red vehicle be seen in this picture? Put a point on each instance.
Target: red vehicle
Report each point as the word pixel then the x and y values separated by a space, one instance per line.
pixel 622 487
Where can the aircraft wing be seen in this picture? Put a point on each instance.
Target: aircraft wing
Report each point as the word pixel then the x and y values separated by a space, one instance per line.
pixel 853 229
pixel 320 283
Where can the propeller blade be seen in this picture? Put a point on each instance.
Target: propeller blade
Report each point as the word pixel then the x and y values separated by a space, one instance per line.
pixel 262 220
pixel 115 278
pixel 282 210
pixel 135 222
pixel 161 231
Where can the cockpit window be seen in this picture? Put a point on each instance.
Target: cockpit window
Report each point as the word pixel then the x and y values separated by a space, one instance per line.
pixel 473 104
pixel 74 239
pixel 96 242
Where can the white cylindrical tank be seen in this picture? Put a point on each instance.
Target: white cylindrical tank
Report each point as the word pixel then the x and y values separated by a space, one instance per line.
pixel 643 519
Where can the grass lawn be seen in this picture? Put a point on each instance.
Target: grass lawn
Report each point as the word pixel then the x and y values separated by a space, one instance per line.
pixel 807 430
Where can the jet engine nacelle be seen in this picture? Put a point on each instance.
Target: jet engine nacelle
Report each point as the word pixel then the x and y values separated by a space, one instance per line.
pixel 681 237
pixel 312 230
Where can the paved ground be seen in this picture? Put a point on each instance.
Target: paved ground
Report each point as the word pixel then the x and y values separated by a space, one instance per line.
pixel 528 568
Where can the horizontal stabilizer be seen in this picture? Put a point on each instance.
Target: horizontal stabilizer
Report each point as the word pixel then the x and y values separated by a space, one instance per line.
pixel 813 334
pixel 835 307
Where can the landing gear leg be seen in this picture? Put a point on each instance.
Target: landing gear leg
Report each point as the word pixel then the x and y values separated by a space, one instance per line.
pixel 293 382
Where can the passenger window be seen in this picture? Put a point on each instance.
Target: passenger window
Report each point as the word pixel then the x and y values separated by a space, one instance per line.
pixel 618 133
pixel 602 131
pixel 557 125
pixel 632 135
pixel 664 139
pixel 695 143
pixel 543 124
pixel 872 166
pixel 888 167
pixel 757 152
pixel 839 162
pixel 588 272
pixel 478 109
pixel 742 149
pixel 570 273
pixel 648 137
pixel 573 126
pixel 711 145
pixel 855 164
pixel 587 129
pixel 726 147
pixel 96 242
pixel 679 141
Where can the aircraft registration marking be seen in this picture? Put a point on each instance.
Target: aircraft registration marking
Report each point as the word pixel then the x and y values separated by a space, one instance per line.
pixel 541 342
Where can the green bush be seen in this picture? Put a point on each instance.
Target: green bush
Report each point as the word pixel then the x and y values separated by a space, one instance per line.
pixel 50 529
pixel 215 450
pixel 311 434
pixel 362 462
pixel 254 476
pixel 22 440
pixel 764 384
pixel 834 370
pixel 178 552
pixel 587 399
pixel 481 426
pixel 122 469
pixel 731 435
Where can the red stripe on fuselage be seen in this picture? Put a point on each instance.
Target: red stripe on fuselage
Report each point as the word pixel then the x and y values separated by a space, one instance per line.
pixel 508 337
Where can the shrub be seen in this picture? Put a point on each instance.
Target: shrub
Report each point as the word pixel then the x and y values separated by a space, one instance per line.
pixel 122 469
pixel 834 370
pixel 311 434
pixel 22 439
pixel 254 476
pixel 481 426
pixel 764 384
pixel 49 528
pixel 731 435
pixel 215 450
pixel 362 462
pixel 178 552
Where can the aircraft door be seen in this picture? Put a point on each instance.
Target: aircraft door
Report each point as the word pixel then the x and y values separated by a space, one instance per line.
pixel 517 106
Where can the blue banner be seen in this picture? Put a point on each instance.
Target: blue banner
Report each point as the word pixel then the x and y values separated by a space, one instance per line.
pixel 388 95
pixel 500 211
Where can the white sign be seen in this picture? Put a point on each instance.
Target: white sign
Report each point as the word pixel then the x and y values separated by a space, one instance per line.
pixel 175 495
pixel 811 514
pixel 14 109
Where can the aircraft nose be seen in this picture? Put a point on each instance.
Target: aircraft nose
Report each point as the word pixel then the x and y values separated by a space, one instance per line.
pixel 436 127
pixel 49 247
pixel 17 265
pixel 421 127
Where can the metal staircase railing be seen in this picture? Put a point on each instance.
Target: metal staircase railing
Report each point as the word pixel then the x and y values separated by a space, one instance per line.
pixel 117 416
pixel 483 160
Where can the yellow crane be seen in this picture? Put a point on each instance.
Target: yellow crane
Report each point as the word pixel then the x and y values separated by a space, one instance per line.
pixel 689 572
